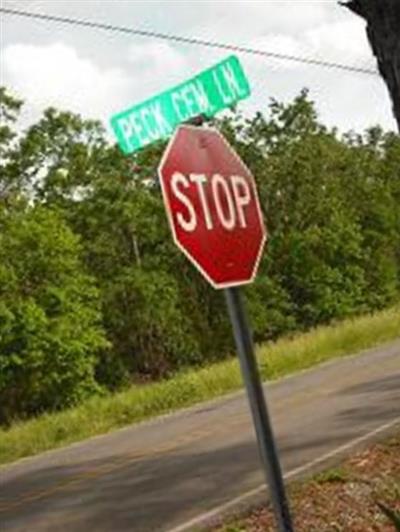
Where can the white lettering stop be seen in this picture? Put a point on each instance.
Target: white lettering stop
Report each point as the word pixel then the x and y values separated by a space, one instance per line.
pixel 230 197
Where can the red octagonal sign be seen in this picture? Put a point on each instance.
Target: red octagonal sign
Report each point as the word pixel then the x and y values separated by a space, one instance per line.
pixel 212 205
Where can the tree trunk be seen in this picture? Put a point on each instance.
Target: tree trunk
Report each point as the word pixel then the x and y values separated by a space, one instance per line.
pixel 383 30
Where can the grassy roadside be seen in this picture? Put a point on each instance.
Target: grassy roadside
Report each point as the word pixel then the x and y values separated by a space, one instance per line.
pixel 100 415
pixel 355 496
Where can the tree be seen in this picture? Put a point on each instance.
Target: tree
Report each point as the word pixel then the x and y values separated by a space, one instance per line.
pixel 9 109
pixel 86 252
pixel 383 30
pixel 112 203
pixel 50 332
pixel 330 210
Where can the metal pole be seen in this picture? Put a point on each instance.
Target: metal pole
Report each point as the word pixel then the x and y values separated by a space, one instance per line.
pixel 259 410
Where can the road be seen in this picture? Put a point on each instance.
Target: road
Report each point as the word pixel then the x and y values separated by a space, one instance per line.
pixel 162 474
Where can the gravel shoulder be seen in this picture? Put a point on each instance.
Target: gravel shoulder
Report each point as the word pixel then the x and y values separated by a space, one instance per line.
pixel 343 498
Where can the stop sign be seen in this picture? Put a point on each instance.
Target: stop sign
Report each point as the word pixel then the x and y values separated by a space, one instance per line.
pixel 212 205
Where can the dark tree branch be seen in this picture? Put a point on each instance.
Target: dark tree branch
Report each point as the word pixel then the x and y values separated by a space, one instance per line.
pixel 383 31
pixel 354 6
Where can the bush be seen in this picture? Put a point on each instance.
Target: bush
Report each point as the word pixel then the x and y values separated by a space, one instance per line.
pixel 49 316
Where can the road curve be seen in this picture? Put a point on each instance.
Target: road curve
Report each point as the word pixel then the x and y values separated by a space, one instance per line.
pixel 159 475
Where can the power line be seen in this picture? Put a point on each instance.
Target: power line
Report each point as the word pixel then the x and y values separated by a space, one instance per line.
pixel 186 40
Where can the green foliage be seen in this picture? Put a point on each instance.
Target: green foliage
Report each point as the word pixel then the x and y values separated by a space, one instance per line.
pixel 99 415
pixel 49 331
pixel 102 261
pixel 332 209
pixel 9 108
pixel 336 474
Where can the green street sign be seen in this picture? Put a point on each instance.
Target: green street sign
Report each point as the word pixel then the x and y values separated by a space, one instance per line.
pixel 214 89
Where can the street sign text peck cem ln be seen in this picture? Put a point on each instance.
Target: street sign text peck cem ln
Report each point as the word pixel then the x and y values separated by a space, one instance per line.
pixel 212 90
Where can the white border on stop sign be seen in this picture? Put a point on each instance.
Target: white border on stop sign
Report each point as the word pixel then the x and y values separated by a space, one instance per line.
pixel 217 286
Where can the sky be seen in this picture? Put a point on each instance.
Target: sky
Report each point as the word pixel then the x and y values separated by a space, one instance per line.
pixel 98 74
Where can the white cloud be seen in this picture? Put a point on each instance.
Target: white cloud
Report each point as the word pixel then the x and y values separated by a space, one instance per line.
pixel 154 67
pixel 280 44
pixel 100 80
pixel 343 41
pixel 347 100
pixel 156 58
pixel 55 75
pixel 343 99
pixel 243 20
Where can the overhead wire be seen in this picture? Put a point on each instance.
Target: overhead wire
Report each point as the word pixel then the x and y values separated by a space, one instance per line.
pixel 186 40
pixel 277 61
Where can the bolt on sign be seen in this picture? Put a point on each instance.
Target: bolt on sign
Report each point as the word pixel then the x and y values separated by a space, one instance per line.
pixel 209 92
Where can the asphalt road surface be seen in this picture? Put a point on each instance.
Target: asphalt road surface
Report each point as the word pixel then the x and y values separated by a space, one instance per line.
pixel 162 474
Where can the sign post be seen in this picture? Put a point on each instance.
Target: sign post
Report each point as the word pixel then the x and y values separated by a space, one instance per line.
pixel 258 406
pixel 215 217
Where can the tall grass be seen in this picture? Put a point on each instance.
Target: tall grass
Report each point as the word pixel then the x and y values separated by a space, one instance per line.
pixel 288 355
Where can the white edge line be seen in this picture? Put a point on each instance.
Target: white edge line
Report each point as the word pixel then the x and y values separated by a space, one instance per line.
pixel 219 510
